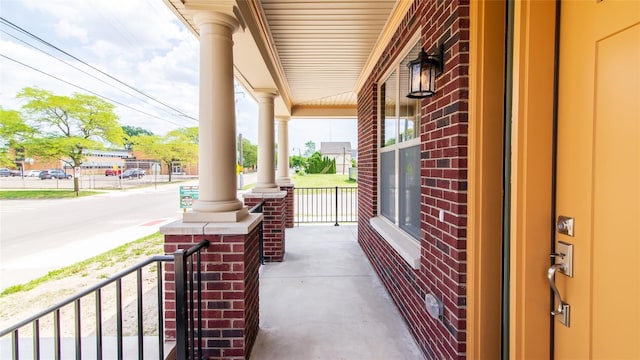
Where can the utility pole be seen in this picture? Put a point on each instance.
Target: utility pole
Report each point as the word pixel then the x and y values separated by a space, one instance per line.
pixel 344 158
pixel 240 159
pixel 241 162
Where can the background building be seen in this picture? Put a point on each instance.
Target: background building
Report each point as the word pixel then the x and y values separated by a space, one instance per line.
pixel 340 152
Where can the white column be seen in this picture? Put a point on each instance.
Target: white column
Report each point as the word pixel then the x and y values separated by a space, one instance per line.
pixel 266 142
pixel 217 141
pixel 282 177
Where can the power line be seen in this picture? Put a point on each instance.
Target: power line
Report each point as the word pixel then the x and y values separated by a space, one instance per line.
pixel 77 68
pixel 17 28
pixel 87 90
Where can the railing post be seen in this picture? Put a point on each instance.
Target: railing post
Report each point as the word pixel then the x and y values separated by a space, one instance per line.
pixel 15 342
pixel 98 324
pixel 78 329
pixel 36 339
pixel 336 224
pixel 160 273
pixel 139 293
pixel 258 209
pixel 180 271
pixel 119 331
pixel 192 326
pixel 199 282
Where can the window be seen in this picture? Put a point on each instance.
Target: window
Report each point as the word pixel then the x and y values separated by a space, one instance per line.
pixel 399 148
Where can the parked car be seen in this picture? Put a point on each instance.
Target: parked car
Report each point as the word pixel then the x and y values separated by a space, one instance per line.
pixel 33 173
pixel 112 172
pixel 4 172
pixel 132 173
pixel 54 174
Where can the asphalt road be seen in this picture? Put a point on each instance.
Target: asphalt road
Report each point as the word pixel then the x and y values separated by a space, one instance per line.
pixel 37 236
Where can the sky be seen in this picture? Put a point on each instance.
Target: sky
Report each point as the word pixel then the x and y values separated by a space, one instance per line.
pixel 133 53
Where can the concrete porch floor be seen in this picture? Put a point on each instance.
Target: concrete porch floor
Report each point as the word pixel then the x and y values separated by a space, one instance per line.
pixel 326 302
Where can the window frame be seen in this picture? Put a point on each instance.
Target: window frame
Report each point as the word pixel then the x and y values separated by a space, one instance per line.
pixel 406 244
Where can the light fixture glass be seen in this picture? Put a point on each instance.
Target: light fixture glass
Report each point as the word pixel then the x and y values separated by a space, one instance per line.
pixel 423 72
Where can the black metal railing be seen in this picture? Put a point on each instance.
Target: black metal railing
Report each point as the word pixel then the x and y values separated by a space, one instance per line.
pixel 184 274
pixel 325 205
pixel 257 209
pixel 188 299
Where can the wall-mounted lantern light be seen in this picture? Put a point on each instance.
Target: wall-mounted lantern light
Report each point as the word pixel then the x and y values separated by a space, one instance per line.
pixel 423 72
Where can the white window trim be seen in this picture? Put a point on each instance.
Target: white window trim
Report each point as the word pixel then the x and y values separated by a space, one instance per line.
pixel 406 246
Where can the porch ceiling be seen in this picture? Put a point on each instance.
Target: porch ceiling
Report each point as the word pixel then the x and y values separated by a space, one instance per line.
pixel 316 53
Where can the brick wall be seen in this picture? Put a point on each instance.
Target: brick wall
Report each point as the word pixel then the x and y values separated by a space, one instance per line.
pixel 443 134
pixel 288 223
pixel 230 305
pixel 273 226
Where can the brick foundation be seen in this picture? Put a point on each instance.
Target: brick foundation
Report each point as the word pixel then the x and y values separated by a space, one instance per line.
pixel 288 222
pixel 230 287
pixel 273 229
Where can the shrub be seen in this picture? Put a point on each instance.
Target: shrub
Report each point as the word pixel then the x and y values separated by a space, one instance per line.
pixel 318 164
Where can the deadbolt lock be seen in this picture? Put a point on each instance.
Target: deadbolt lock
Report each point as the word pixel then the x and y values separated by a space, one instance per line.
pixel 565 225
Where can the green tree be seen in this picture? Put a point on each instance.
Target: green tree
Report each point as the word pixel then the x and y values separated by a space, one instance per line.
pixel 250 153
pixel 135 130
pixel 15 133
pixel 191 134
pixel 184 142
pixel 309 148
pixel 131 131
pixel 297 161
pixel 5 157
pixel 178 145
pixel 68 126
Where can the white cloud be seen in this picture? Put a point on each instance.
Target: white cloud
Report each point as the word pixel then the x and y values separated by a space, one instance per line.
pixel 15 76
pixel 321 130
pixel 65 29
pixel 105 49
pixel 247 119
pixel 139 42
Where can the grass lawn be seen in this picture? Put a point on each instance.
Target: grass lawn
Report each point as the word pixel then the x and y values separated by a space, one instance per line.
pixel 146 247
pixel 42 194
pixel 323 180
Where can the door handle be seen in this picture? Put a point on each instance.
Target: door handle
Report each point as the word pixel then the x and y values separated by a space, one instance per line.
pixel 551 277
pixel 563 307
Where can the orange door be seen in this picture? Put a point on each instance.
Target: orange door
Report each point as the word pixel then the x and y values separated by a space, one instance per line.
pixel 598 178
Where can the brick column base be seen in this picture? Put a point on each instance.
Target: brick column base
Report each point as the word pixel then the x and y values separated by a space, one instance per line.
pixel 273 229
pixel 230 306
pixel 289 188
